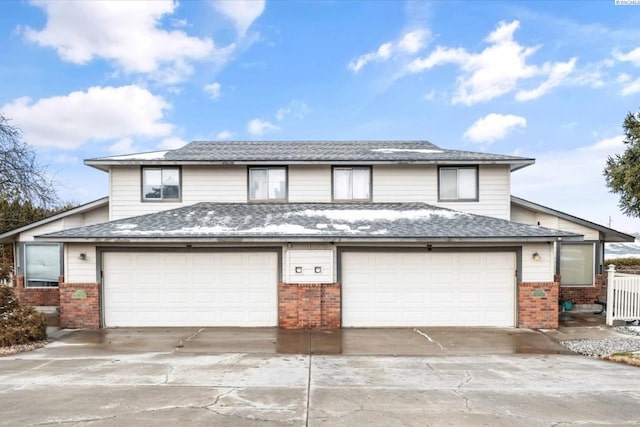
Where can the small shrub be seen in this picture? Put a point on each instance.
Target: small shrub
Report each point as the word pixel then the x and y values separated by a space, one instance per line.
pixel 19 324
pixel 623 262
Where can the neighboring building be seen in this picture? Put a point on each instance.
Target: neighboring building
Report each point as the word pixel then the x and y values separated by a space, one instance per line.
pixel 310 235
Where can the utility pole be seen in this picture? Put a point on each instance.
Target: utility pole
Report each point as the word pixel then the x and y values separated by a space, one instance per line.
pixel 610 221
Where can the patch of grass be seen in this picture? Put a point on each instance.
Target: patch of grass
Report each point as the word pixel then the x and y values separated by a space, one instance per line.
pixel 624 357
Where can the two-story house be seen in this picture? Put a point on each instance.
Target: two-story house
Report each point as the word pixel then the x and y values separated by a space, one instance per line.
pixel 310 235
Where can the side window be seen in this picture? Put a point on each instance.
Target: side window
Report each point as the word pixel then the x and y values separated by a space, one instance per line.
pixel 458 183
pixel 352 183
pixel 577 264
pixel 268 184
pixel 41 265
pixel 161 184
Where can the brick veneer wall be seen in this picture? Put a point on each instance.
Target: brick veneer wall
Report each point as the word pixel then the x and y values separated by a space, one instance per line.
pixel 80 305
pixel 535 311
pixel 36 296
pixel 584 294
pixel 309 305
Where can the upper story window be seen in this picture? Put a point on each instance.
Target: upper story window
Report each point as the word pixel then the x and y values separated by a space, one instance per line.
pixel 458 183
pixel 161 183
pixel 352 183
pixel 268 184
pixel 42 265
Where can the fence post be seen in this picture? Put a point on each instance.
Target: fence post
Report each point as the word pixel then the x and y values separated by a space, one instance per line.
pixel 611 276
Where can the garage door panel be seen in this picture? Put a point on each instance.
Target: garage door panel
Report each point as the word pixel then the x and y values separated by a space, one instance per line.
pixel 182 289
pixel 439 289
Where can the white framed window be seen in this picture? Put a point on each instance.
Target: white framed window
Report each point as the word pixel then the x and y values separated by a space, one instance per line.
pixel 268 184
pixel 458 183
pixel 161 184
pixel 577 264
pixel 352 183
pixel 42 265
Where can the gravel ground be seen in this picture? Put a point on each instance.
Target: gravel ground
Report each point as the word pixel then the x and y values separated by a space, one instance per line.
pixel 607 346
pixel 5 351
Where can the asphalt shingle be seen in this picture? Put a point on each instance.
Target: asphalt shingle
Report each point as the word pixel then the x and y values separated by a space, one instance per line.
pixel 313 221
pixel 316 151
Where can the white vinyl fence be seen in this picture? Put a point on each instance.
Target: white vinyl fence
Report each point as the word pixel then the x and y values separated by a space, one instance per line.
pixel 623 296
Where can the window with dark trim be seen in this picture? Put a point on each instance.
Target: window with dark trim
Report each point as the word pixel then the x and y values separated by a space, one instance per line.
pixel 268 184
pixel 352 183
pixel 458 183
pixel 161 183
pixel 42 265
pixel 577 264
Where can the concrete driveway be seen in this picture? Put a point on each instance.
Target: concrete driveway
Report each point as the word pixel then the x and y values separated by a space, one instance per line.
pixel 243 377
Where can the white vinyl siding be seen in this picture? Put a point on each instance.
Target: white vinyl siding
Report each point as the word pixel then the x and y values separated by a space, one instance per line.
pixel 419 183
pixel 95 216
pixel 224 184
pixel 80 270
pixel 542 269
pixel 309 183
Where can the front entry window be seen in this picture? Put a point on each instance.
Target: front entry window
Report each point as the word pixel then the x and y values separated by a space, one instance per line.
pixel 42 265
pixel 577 264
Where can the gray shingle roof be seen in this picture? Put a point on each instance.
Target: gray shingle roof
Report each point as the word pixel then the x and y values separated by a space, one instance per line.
pixel 310 222
pixel 313 151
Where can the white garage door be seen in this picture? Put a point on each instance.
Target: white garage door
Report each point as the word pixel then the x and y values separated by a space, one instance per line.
pixel 428 289
pixel 190 289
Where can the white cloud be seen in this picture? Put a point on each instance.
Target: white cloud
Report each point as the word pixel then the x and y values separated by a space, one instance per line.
pixel 126 33
pixel 225 134
pixel 295 108
pixel 579 171
pixel 382 54
pixel 493 127
pixel 496 70
pixel 172 143
pixel 633 56
pixel 623 78
pixel 413 41
pixel 409 44
pixel 631 88
pixel 241 12
pixel 122 146
pixel 213 90
pixel 99 114
pixel 557 72
pixel 258 127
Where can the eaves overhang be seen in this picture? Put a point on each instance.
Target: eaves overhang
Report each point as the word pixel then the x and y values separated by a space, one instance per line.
pixel 610 235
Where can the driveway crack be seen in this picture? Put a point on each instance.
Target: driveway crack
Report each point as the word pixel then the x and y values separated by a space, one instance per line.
pixel 419 332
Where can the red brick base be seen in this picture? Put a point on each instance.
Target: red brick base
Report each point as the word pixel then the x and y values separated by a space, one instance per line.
pixel 309 305
pixel 538 305
pixel 80 305
pixel 36 296
pixel 584 294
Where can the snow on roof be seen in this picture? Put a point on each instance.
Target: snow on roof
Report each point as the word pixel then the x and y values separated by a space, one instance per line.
pixel 152 155
pixel 405 150
pixel 353 215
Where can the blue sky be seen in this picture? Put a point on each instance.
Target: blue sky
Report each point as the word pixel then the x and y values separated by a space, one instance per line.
pixel 551 80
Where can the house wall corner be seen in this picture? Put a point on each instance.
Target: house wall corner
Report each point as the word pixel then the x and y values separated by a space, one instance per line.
pixel 80 305
pixel 538 305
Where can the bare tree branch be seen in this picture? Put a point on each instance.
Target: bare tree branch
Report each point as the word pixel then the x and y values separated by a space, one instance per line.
pixel 22 178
